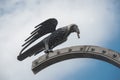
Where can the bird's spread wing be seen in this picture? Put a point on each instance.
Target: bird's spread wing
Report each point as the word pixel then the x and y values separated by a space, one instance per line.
pixel 33 50
pixel 41 29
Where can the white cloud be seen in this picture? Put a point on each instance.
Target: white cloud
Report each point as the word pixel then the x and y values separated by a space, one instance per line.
pixel 95 19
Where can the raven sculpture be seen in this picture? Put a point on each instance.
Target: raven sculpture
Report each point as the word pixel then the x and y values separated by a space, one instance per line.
pixel 55 38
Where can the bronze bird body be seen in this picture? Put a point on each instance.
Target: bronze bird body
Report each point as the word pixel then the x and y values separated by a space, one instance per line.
pixel 47 44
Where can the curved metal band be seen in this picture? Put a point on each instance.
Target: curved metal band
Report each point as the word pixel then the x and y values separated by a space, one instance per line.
pixel 85 51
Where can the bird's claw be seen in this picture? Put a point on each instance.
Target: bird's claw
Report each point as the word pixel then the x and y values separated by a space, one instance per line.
pixel 48 51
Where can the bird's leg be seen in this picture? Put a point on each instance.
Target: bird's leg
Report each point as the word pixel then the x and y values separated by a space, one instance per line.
pixel 47 49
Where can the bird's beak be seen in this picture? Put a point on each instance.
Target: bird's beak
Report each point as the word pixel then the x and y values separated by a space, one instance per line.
pixel 77 31
pixel 78 34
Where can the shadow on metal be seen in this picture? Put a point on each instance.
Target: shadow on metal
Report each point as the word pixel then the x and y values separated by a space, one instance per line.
pixel 85 51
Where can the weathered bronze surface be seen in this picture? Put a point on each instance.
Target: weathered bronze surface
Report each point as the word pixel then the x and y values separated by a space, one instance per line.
pixel 85 51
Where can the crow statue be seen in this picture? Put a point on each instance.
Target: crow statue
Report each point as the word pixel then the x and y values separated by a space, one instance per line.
pixel 47 44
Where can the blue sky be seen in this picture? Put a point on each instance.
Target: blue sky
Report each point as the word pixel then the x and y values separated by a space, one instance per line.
pixel 98 20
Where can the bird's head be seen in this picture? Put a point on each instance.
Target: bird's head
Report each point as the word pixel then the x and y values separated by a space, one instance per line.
pixel 74 28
